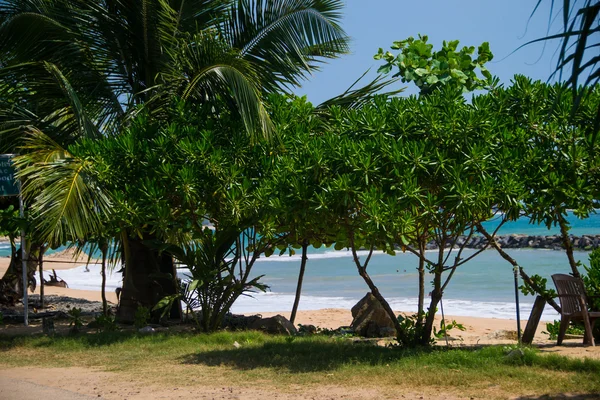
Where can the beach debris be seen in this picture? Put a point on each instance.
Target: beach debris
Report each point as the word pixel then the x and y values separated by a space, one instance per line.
pixel 370 318
pixel 55 281
pixel 147 330
pixel 236 345
pixel 275 325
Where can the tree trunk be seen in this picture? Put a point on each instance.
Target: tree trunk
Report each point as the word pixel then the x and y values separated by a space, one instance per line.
pixel 421 269
pixel 104 249
pixel 564 232
pixel 300 279
pixel 41 264
pixel 429 321
pixel 148 278
pixel 13 277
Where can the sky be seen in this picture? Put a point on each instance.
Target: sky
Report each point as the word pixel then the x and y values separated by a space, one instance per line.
pixel 372 24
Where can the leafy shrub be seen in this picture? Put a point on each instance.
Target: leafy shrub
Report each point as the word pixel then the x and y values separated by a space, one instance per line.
pixel 106 323
pixel 411 332
pixel 76 320
pixel 552 329
pixel 141 317
pixel 592 280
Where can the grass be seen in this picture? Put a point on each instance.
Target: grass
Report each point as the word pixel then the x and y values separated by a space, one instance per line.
pixel 183 359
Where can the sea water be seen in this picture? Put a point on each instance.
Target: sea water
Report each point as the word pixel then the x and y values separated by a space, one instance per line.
pixel 482 287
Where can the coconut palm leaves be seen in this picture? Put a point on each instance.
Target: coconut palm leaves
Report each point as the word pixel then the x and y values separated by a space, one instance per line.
pixel 72 69
pixel 578 51
pixel 578 55
pixel 69 205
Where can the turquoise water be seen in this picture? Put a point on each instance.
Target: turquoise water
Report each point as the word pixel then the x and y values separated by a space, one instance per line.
pixel 482 287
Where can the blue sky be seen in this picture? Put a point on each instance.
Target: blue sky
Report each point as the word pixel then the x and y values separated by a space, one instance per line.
pixel 377 23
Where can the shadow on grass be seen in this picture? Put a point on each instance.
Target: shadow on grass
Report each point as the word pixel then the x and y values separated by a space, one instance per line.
pixel 301 356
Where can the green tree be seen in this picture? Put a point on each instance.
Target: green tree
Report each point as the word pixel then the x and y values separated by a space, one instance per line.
pixel 76 70
pixel 417 62
pixel 577 61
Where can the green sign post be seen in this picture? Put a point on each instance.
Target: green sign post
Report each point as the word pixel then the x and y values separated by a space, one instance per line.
pixel 9 186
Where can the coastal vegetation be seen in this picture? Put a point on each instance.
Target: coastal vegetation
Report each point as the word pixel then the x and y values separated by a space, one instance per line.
pixel 169 134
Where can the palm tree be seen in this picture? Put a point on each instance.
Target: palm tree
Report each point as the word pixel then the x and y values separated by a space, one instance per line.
pixel 578 56
pixel 73 69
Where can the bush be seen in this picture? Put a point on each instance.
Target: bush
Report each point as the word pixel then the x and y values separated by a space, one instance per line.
pixel 76 320
pixel 592 280
pixel 141 317
pixel 106 323
pixel 552 329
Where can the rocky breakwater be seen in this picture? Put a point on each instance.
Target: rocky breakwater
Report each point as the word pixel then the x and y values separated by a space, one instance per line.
pixel 553 242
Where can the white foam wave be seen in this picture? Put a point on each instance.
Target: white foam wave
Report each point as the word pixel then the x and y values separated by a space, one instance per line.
pixel 78 278
pixel 273 302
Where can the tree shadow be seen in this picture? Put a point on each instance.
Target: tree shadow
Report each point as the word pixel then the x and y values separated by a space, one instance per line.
pixel 301 356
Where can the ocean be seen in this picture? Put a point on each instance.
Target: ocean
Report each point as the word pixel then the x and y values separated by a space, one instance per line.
pixel 483 287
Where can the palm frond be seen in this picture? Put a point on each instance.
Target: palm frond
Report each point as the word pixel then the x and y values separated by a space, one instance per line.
pixel 65 199
pixel 284 39
pixel 357 97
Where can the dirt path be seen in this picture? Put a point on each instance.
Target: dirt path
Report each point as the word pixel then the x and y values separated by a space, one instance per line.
pixel 87 384
pixel 17 389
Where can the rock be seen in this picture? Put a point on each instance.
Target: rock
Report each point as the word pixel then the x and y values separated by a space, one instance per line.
pixel 274 325
pixel 370 318
pixel 147 330
pixel 239 322
pixel 308 329
pixel 515 354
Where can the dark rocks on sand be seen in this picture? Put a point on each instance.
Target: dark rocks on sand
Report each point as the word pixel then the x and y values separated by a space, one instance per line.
pixel 370 318
pixel 274 325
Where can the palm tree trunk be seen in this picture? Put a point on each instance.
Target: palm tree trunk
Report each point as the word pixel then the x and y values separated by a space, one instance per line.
pixel 103 273
pixel 41 264
pixel 148 278
pixel 300 279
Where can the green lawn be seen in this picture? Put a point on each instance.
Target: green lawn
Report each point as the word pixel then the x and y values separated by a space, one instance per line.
pixel 311 361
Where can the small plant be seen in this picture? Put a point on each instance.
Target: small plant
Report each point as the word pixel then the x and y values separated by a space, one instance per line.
pixel 76 320
pixel 411 332
pixel 106 323
pixel 445 328
pixel 141 317
pixel 552 329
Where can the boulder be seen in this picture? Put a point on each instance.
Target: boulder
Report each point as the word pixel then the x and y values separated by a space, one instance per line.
pixel 239 322
pixel 274 325
pixel 370 318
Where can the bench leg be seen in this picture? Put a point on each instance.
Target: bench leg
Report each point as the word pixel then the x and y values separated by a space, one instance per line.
pixel 564 324
pixel 589 336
